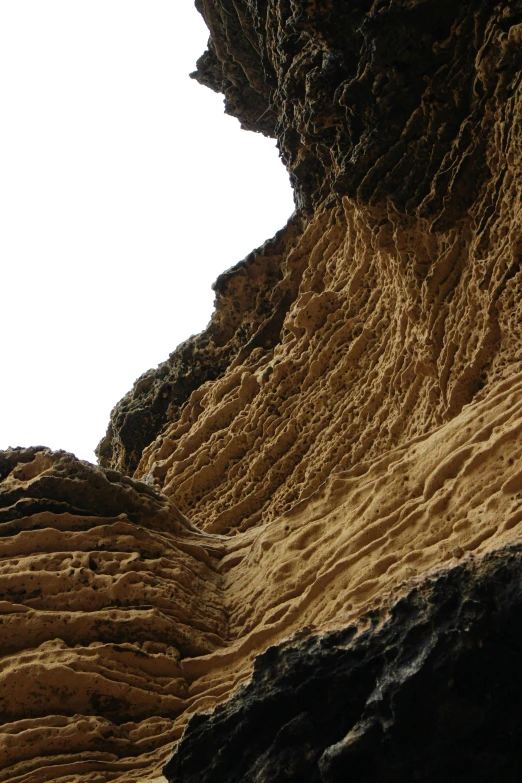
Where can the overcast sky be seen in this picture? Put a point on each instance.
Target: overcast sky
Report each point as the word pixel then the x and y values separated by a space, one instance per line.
pixel 124 192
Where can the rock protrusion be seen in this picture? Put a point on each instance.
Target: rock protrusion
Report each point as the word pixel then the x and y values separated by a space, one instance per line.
pixel 427 688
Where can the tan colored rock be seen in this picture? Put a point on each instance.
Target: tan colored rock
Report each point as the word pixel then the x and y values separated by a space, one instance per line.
pixel 97 610
pixel 115 634
pixel 348 424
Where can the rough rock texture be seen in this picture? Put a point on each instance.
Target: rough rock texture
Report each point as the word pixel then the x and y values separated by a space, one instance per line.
pixel 345 431
pixel 428 689
pixel 380 100
pixel 245 316
pixel 103 590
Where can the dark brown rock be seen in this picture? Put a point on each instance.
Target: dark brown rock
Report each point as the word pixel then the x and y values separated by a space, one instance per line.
pixel 375 100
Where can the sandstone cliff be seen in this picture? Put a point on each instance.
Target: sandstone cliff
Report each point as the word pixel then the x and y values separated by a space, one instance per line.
pixel 305 530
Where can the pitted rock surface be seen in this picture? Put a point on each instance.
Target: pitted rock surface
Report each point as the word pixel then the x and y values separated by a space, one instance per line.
pixel 380 100
pixel 426 689
pixel 345 431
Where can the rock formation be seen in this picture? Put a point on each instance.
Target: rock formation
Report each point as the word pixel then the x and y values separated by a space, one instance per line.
pixel 303 542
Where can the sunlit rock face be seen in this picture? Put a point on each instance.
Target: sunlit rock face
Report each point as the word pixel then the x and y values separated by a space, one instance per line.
pixel 311 512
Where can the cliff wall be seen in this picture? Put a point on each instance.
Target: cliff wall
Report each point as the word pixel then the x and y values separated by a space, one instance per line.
pixel 334 465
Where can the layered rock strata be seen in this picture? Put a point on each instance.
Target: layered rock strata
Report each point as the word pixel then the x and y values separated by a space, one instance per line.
pixel 426 689
pixel 244 314
pixel 336 461
pixel 103 590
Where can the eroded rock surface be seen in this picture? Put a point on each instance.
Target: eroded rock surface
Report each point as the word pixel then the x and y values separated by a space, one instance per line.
pixel 345 431
pixel 380 100
pixel 245 312
pixel 103 590
pixel 426 689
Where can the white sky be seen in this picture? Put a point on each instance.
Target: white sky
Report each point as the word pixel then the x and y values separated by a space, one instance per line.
pixel 124 192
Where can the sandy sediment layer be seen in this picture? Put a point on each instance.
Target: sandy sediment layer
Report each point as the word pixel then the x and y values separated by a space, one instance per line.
pixel 377 439
pixel 349 423
pixel 427 687
pixel 97 611
pixel 393 329
pixel 115 632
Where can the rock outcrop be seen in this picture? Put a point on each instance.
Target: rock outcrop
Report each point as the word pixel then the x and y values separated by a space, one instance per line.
pixel 315 506
pixel 427 689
